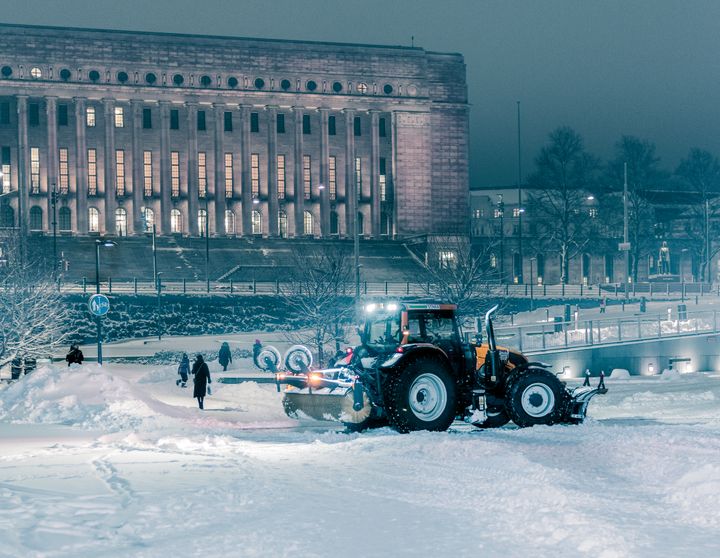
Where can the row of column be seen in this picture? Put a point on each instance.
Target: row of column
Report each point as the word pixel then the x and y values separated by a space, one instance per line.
pixel 166 200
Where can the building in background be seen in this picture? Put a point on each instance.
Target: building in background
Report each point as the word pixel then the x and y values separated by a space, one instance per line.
pixel 229 135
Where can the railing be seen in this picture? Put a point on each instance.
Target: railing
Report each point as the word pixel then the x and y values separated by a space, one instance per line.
pixel 402 288
pixel 585 333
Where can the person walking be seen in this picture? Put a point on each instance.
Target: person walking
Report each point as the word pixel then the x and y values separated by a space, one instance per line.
pixel 603 305
pixel 257 349
pixel 183 370
pixel 75 356
pixel 202 378
pixel 225 357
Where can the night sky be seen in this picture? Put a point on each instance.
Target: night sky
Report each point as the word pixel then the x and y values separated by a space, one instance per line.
pixel 649 68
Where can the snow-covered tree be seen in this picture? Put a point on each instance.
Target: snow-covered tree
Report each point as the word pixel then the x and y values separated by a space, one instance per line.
pixel 317 292
pixel 34 319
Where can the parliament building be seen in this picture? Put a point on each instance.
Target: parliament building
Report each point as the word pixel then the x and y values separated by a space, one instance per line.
pixel 119 133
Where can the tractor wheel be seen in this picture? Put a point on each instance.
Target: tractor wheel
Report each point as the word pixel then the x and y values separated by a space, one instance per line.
pixel 534 396
pixel 421 396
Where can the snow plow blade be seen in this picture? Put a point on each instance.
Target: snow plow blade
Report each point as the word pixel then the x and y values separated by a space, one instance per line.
pixel 320 397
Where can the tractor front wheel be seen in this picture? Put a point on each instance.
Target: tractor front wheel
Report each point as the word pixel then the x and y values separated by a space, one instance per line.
pixel 534 396
pixel 421 396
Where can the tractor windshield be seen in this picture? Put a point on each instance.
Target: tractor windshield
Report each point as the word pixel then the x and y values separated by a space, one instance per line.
pixel 383 330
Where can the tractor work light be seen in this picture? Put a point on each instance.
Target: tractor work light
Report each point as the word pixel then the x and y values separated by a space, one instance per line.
pixel 370 308
pixel 392 307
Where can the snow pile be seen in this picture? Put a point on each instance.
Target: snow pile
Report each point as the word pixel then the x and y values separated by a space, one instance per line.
pixel 620 374
pixel 670 374
pixel 86 396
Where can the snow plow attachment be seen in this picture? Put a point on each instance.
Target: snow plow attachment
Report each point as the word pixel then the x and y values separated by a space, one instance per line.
pixel 579 399
pixel 323 395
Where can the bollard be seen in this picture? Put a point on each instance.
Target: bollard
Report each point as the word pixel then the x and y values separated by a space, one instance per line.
pixel 110 285
pixel 184 285
pixel 407 288
pixel 84 285
pixel 231 286
pixel 386 288
pixel 135 285
pixel 277 286
pixel 254 287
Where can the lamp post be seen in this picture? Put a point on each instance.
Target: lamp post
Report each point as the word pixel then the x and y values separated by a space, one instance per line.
pixel 520 206
pixel 105 243
pixel 153 230
pixel 501 213
pixel 158 287
pixel 626 245
pixel 532 299
pixel 53 200
pixel 207 246
pixel 707 241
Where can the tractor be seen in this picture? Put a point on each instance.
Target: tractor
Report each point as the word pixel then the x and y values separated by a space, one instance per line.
pixel 414 371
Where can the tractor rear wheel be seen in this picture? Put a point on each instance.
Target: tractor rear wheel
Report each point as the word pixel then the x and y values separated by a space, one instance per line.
pixel 421 396
pixel 534 396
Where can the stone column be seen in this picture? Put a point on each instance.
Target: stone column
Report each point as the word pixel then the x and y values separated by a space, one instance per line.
pixel 245 170
pixel 219 189
pixel 351 193
pixel 81 169
pixel 272 205
pixel 375 173
pixel 23 164
pixel 109 166
pixel 138 186
pixel 324 174
pixel 298 191
pixel 192 170
pixel 166 202
pixel 53 156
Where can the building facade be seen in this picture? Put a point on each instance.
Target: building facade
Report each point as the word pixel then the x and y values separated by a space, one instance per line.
pixel 113 132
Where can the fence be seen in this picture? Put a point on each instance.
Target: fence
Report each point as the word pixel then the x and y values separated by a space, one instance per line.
pixel 584 333
pixel 652 291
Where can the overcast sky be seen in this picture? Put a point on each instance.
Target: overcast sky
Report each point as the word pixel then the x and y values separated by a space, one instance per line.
pixel 646 67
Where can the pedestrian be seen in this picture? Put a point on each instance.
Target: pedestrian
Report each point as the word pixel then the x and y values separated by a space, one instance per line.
pixel 75 356
pixel 257 349
pixel 202 379
pixel 603 305
pixel 225 357
pixel 183 370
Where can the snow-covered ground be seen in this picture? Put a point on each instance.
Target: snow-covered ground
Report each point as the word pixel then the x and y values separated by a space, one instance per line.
pixel 118 461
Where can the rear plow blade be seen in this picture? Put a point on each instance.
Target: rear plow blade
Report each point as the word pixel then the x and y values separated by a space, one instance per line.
pixel 580 398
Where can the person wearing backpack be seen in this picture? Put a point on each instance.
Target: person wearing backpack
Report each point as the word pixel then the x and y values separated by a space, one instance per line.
pixel 183 370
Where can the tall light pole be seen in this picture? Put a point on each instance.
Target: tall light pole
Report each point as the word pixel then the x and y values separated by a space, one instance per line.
pixel 501 213
pixel 707 240
pixel 105 244
pixel 53 200
pixel 532 298
pixel 158 287
pixel 154 246
pixel 626 244
pixel 520 206
pixel 207 245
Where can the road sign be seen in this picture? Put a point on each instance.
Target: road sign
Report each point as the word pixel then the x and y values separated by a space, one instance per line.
pixel 99 305
pixel 624 246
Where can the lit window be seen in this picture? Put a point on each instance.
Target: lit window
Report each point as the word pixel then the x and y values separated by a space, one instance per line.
pixel 281 176
pixel 256 219
pixel 175 174
pixel 493 261
pixel 93 220
pixel 92 171
pixel 332 177
pixel 148 218
pixel 202 222
pixel 119 172
pixel 90 117
pixel 229 222
pixel 362 88
pixel 202 174
pixel 255 174
pixel 516 212
pixel 120 221
pixel 307 223
pixel 6 178
pixel 447 259
pixel 497 213
pixel 383 179
pixel 36 72
pixel 307 176
pixel 35 170
pixel 119 117
pixel 358 177
pixel 593 212
pixel 229 176
pixel 64 170
pixel 147 174
pixel 176 221
pixel 282 224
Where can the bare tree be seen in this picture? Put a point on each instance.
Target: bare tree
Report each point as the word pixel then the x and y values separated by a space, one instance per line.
pixel 462 274
pixel 700 172
pixel 643 173
pixel 317 292
pixel 564 177
pixel 33 317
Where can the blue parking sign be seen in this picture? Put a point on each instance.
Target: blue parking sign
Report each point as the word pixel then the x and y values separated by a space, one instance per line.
pixel 99 305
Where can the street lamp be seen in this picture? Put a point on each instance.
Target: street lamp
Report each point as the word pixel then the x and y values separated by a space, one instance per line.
pixel 158 287
pixel 105 243
pixel 144 213
pixel 53 201
pixel 520 208
pixel 501 213
pixel 207 246
pixel 532 299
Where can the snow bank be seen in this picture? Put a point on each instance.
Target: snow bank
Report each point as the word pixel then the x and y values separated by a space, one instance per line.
pixel 620 374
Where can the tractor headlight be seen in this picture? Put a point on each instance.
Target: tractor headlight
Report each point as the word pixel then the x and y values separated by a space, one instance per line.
pixel 392 360
pixel 370 308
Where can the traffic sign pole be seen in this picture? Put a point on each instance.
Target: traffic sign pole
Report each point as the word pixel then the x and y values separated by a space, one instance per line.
pixel 99 339
pixel 99 305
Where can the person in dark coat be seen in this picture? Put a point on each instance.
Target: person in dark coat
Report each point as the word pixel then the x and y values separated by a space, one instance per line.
pixel 75 355
pixel 183 370
pixel 202 378
pixel 257 348
pixel 225 357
